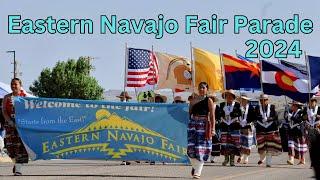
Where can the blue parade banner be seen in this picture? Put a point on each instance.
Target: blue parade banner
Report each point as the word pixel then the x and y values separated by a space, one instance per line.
pixel 80 129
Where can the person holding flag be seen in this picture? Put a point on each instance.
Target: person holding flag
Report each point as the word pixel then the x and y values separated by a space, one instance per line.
pixel 312 123
pixel 246 131
pixel 230 114
pixel 267 129
pixel 297 146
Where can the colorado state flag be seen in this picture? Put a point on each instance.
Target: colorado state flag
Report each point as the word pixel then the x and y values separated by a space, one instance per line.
pixel 280 80
pixel 241 73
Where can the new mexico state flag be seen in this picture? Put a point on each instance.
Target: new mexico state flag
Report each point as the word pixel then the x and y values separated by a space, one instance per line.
pixel 208 69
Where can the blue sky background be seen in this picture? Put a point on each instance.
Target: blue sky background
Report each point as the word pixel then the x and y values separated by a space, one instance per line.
pixel 35 52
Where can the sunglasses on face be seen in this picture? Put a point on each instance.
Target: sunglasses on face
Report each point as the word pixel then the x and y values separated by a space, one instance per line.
pixel 145 95
pixel 178 101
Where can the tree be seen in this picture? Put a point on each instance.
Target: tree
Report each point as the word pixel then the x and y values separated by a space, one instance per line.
pixel 69 80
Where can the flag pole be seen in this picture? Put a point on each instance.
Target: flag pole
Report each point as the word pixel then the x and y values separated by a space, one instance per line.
pixel 193 70
pixel 223 70
pixel 135 92
pixel 223 76
pixel 153 73
pixel 285 97
pixel 236 52
pixel 125 67
pixel 172 94
pixel 309 74
pixel 261 78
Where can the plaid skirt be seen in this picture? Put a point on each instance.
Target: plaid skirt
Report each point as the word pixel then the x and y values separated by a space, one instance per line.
pixel 297 146
pixel 230 143
pixel 247 140
pixel 198 147
pixel 14 144
pixel 269 142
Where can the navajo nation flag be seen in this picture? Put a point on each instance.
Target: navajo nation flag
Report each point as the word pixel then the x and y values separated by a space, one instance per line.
pixel 240 73
pixel 174 72
pixel 142 68
pixel 281 80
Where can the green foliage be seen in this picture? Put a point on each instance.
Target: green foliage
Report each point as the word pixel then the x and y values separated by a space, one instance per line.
pixel 69 80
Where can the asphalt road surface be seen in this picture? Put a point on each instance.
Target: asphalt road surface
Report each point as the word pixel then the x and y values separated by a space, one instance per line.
pixel 85 169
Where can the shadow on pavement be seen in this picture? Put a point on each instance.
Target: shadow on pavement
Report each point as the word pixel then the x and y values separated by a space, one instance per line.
pixel 96 175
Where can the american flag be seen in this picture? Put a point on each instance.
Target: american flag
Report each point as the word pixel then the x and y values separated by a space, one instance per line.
pixel 142 68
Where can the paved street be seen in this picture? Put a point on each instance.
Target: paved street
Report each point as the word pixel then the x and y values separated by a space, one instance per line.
pixel 83 169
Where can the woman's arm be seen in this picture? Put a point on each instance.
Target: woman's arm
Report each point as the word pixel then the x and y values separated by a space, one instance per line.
pixel 4 110
pixel 212 118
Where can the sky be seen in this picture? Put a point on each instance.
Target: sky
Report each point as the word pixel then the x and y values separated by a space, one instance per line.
pixel 36 52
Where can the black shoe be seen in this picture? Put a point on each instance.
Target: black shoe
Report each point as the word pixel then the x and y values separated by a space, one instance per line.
pixel 17 174
pixel 125 163
pixel 152 163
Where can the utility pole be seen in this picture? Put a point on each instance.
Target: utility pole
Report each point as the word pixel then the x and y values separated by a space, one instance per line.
pixel 15 64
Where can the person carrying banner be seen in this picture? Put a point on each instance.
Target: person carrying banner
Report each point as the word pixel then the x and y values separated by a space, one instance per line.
pixel 124 97
pixel 15 147
pixel 178 100
pixel 230 114
pixel 246 132
pixel 201 127
pixel 267 129
pixel 159 99
pixel 296 141
pixel 312 123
